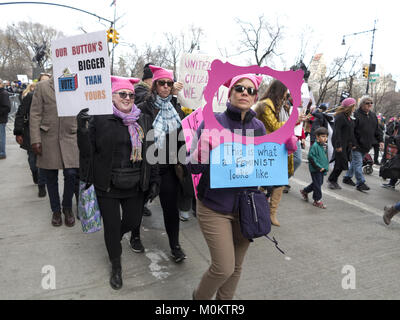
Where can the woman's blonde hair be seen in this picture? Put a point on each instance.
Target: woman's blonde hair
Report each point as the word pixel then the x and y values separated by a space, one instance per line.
pixel 346 110
pixel 28 89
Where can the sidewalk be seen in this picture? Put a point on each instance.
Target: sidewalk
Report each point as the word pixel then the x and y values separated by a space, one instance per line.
pixel 318 245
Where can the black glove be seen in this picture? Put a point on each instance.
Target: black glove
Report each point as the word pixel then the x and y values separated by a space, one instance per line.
pixel 153 192
pixel 82 118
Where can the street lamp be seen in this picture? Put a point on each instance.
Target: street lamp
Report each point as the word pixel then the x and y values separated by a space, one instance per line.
pixel 371 67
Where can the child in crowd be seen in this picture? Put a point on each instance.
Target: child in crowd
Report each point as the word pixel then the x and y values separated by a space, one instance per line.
pixel 318 166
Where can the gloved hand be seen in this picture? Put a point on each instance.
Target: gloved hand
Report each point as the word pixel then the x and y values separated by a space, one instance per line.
pixel 153 192
pixel 37 149
pixel 82 118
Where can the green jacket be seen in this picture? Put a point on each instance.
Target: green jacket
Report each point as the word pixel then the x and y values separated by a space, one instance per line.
pixel 318 158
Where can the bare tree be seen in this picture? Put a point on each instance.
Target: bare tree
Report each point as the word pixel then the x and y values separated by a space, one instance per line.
pixel 260 39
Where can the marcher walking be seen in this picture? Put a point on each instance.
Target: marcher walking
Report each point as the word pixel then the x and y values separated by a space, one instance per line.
pixel 166 116
pixel 366 130
pixel 54 141
pixel 5 109
pixel 342 140
pixel 318 166
pixel 216 212
pixel 22 135
pixel 113 153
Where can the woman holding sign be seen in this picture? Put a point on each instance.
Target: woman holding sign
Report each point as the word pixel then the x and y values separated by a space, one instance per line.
pixel 216 208
pixel 268 110
pixel 113 157
pixel 166 115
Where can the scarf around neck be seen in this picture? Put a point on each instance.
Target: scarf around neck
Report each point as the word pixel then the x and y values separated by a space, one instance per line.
pixel 135 131
pixel 166 121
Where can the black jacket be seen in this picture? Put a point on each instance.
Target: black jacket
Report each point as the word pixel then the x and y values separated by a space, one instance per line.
pixel 141 92
pixel 96 149
pixel 366 130
pixel 5 105
pixel 149 109
pixel 21 122
pixel 319 121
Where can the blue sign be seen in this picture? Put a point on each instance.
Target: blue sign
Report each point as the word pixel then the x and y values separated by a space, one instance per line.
pixel 237 165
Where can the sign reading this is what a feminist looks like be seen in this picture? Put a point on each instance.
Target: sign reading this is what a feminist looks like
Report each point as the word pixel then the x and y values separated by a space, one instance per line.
pixel 81 71
pixel 243 161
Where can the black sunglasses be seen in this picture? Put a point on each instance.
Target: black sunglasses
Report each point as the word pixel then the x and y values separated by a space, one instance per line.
pixel 163 82
pixel 123 95
pixel 241 89
pixel 369 103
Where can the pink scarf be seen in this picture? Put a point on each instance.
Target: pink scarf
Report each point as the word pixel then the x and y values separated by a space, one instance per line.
pixel 135 131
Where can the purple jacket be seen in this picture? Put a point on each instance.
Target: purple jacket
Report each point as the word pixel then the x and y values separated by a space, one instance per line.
pixel 223 200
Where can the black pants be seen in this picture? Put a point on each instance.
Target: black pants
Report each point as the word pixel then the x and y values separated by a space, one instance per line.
pixel 169 202
pixel 114 227
pixel 376 152
pixel 315 186
pixel 334 176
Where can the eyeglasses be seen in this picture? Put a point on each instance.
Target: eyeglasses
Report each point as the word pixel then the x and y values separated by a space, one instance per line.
pixel 123 95
pixel 163 82
pixel 241 89
pixel 369 103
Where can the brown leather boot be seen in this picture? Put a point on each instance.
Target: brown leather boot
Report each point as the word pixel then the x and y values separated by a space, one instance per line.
pixel 390 212
pixel 56 220
pixel 69 217
pixel 276 196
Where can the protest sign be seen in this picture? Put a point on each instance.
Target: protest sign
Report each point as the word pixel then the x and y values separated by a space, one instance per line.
pixel 190 125
pixel 81 72
pixel 23 78
pixel 193 73
pixel 263 158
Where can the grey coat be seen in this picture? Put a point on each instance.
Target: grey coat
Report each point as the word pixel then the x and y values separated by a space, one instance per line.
pixel 58 135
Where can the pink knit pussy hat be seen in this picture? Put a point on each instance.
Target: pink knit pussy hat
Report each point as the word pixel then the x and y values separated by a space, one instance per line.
pixel 348 102
pixel 252 77
pixel 160 73
pixel 118 83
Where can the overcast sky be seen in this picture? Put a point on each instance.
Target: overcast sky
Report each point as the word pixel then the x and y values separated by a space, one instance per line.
pixel 324 22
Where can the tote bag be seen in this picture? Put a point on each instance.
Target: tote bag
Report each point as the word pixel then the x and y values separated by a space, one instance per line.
pixel 88 208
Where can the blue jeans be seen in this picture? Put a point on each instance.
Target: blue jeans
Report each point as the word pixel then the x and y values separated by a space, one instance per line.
pixel 297 156
pixel 2 139
pixel 397 206
pixel 32 165
pixel 356 167
pixel 69 188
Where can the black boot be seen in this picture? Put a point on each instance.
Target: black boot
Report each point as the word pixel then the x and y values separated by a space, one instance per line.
pixel 35 177
pixel 116 274
pixel 42 191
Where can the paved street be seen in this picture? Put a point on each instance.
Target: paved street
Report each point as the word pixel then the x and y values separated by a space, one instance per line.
pixel 318 245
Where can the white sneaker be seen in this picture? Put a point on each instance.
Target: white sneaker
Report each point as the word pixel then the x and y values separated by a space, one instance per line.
pixel 184 215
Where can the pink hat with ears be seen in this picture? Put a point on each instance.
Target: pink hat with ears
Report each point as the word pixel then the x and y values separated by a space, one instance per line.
pixel 252 77
pixel 348 102
pixel 160 73
pixel 118 83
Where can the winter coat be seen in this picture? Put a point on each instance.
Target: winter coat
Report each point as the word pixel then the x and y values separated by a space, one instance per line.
pixel 366 130
pixel 318 158
pixel 318 122
pixel 343 137
pixel 142 89
pixel 97 151
pixel 271 123
pixel 223 199
pixel 21 122
pixel 149 109
pixel 58 135
pixel 5 105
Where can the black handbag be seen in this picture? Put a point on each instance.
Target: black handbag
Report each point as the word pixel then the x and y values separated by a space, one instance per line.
pixel 254 215
pixel 125 178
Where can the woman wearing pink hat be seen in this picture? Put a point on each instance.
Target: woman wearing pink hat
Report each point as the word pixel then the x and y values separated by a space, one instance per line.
pixel 166 115
pixel 113 157
pixel 215 209
pixel 342 140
